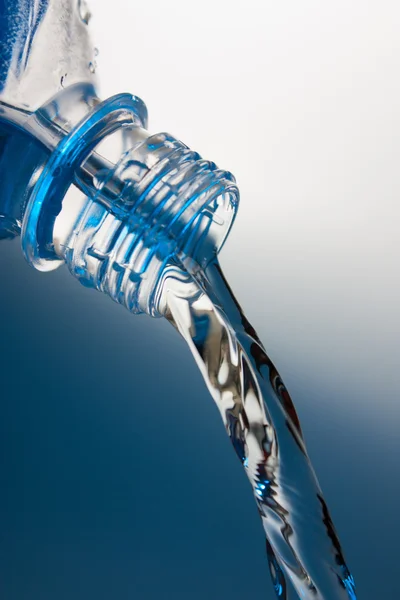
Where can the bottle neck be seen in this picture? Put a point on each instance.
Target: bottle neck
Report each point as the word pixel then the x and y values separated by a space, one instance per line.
pixel 114 202
pixel 87 184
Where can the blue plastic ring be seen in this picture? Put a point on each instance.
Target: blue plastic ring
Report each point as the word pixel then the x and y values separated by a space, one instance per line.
pixel 46 198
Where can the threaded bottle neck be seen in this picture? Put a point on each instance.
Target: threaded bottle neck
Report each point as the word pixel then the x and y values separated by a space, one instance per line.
pixel 140 210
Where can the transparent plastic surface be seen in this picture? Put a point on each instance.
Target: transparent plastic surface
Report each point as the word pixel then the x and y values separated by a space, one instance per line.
pixel 45 47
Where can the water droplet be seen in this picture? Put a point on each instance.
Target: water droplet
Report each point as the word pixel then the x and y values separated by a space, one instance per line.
pixel 92 67
pixel 84 11
pixel 96 52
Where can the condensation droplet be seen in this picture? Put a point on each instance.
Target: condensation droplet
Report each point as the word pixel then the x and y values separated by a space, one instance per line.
pixel 96 52
pixel 92 67
pixel 84 11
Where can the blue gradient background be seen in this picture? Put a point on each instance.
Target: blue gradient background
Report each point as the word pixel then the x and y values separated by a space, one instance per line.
pixel 118 480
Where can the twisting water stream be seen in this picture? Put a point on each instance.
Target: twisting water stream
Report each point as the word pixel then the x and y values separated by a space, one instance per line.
pixel 264 429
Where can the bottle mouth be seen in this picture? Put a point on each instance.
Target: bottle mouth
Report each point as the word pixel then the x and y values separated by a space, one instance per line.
pixel 156 204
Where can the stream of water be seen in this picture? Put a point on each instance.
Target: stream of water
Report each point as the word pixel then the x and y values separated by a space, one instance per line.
pixel 262 423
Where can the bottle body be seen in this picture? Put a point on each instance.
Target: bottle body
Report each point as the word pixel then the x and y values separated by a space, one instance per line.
pixel 45 48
